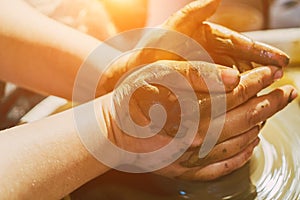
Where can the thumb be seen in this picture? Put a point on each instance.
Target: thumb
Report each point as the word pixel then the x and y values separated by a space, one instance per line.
pixel 192 15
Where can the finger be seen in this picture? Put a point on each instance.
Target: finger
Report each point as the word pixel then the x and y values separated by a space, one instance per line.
pixel 202 76
pixel 222 168
pixel 220 41
pixel 223 150
pixel 192 15
pixel 256 110
pixel 250 84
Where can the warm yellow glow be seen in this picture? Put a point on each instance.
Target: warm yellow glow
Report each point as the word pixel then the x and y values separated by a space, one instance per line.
pixel 127 14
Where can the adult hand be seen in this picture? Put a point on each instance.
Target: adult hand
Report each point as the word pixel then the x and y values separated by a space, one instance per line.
pixel 224 46
pixel 241 118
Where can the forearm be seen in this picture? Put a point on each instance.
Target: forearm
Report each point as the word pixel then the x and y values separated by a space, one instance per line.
pixel 39 53
pixel 46 159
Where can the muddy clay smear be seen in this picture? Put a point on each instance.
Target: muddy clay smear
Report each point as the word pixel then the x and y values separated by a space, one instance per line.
pixel 272 173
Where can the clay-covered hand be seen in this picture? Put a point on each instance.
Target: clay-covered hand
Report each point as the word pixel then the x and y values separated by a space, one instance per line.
pixel 226 46
pixel 184 115
pixel 176 38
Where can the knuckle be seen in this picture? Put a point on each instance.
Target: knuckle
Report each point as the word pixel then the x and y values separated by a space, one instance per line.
pixel 242 94
pixel 187 9
pixel 261 81
pixel 252 117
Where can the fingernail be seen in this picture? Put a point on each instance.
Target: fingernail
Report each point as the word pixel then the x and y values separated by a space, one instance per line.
pixel 293 95
pixel 278 74
pixel 230 76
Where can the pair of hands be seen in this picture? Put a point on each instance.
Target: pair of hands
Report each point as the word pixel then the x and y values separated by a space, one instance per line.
pixel 245 114
pixel 232 95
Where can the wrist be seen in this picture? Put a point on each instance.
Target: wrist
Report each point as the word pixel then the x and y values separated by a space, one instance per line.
pixel 102 142
pixel 119 149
